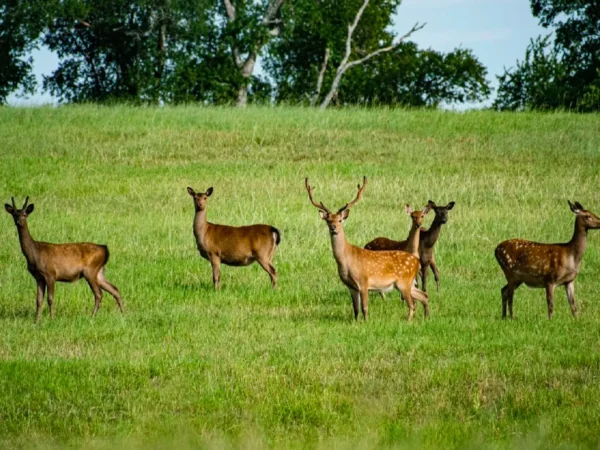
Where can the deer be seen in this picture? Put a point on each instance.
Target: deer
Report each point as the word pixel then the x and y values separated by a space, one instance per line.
pixel 233 246
pixel 426 245
pixel 412 243
pixel 545 265
pixel 365 270
pixel 49 263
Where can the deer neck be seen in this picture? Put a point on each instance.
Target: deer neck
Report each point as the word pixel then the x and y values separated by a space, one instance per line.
pixel 28 246
pixel 200 225
pixel 579 241
pixel 412 243
pixel 339 246
pixel 432 235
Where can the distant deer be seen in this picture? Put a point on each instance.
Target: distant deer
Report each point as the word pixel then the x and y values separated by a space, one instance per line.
pixel 545 265
pixel 234 246
pixel 427 241
pixel 49 263
pixel 364 270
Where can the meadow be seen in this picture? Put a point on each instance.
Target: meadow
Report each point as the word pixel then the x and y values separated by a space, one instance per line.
pixel 249 367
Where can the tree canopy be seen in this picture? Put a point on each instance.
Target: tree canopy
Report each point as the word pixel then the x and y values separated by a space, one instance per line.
pixel 176 51
pixel 563 73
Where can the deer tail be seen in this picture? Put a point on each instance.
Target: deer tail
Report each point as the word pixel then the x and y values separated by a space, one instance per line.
pixel 106 254
pixel 276 235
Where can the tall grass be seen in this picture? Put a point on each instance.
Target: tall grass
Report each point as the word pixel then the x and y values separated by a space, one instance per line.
pixel 251 367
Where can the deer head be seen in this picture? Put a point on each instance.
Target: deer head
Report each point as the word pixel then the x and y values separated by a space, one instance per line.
pixel 441 212
pixel 335 221
pixel 417 216
pixel 19 215
pixel 200 197
pixel 584 217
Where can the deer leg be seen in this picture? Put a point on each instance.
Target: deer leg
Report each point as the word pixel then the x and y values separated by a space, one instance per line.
pixel 570 288
pixel 504 292
pixel 511 295
pixel 424 272
pixel 95 287
pixel 41 290
pixel 216 268
pixel 355 301
pixel 364 301
pixel 270 270
pixel 550 299
pixel 436 274
pixel 382 295
pixel 110 288
pixel 50 297
pixel 406 294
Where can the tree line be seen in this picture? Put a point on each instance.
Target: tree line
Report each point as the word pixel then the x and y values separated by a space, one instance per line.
pixel 313 52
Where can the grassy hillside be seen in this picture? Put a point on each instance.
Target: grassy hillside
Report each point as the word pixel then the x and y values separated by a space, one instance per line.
pixel 252 367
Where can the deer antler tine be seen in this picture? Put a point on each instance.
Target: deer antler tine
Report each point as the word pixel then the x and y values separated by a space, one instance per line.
pixel 309 189
pixel 358 195
pixel 26 201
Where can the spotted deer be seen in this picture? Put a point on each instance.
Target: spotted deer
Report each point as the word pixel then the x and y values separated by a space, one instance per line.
pixel 49 263
pixel 233 246
pixel 365 270
pixel 545 265
pixel 427 241
pixel 411 245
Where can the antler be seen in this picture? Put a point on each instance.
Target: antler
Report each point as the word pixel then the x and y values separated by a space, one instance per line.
pixel 358 196
pixel 26 201
pixel 13 203
pixel 320 205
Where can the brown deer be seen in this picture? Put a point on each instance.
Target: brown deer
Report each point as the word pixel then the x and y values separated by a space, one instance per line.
pixel 427 241
pixel 364 270
pixel 545 265
pixel 49 263
pixel 234 246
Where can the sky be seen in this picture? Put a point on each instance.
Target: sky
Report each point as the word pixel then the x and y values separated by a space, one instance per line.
pixel 498 32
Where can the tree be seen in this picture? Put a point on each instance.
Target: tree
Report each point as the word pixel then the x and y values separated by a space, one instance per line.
pixel 250 26
pixel 562 74
pixel 21 22
pixel 403 74
pixel 121 49
pixel 412 77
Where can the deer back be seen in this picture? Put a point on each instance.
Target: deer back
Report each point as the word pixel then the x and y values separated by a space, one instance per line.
pixel 68 262
pixel 239 243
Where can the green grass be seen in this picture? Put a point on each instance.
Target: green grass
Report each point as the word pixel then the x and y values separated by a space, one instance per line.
pixel 252 368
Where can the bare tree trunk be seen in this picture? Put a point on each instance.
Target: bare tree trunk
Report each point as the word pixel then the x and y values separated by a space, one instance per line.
pixel 315 98
pixel 345 65
pixel 246 66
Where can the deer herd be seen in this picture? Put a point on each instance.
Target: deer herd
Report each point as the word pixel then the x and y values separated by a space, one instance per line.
pixel 381 266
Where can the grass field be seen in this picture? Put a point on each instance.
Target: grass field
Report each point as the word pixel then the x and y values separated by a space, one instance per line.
pixel 253 368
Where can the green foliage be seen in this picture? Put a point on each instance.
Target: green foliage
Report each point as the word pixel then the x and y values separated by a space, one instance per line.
pixel 412 77
pixel 21 22
pixel 407 76
pixel 121 49
pixel 249 367
pixel 562 74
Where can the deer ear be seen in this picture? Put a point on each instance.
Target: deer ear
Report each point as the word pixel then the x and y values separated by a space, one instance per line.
pixel 209 191
pixel 574 207
pixel 345 214
pixel 29 209
pixel 450 206
pixel 9 209
pixel 426 210
pixel 191 191
pixel 323 214
pixel 431 204
pixel 408 209
pixel 579 206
